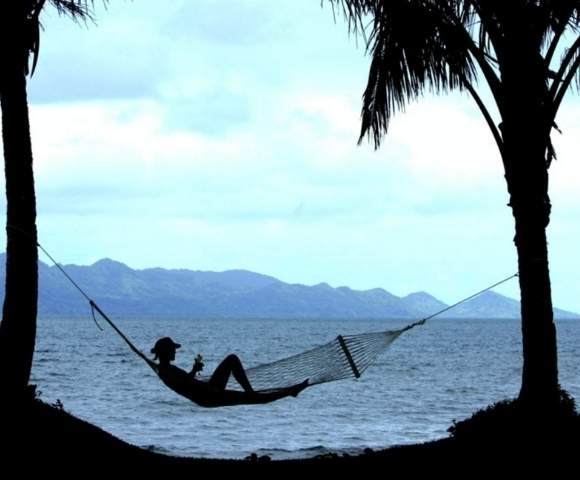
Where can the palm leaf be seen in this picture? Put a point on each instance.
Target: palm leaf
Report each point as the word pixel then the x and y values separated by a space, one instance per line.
pixel 415 47
pixel 78 10
pixel 435 45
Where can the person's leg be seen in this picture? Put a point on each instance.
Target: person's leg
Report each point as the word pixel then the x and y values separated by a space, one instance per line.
pixel 231 365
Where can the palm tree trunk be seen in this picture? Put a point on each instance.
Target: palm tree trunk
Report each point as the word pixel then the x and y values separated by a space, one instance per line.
pixel 540 367
pixel 527 177
pixel 526 133
pixel 18 326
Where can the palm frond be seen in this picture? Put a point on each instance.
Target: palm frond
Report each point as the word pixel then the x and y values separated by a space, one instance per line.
pixel 568 73
pixel 78 10
pixel 414 48
pixel 573 68
pixel 435 45
pixel 355 13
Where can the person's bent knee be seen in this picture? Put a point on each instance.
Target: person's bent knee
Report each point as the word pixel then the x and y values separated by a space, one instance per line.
pixel 232 358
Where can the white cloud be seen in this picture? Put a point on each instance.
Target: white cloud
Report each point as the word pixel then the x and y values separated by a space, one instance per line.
pixel 164 145
pixel 446 144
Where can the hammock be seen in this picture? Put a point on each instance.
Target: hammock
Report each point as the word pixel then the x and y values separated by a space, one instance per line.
pixel 344 357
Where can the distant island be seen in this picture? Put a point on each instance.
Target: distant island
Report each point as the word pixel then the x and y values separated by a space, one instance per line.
pixel 123 291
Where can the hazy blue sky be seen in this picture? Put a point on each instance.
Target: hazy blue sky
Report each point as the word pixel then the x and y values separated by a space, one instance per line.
pixel 216 135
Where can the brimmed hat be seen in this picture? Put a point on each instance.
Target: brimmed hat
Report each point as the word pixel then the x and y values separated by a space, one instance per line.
pixel 163 345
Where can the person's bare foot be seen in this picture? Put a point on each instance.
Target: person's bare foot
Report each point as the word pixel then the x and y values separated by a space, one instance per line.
pixel 296 389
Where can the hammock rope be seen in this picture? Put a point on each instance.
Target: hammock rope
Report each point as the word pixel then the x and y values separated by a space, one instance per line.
pixel 347 356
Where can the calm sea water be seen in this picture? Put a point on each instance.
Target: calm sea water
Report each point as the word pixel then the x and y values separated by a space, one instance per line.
pixel 430 376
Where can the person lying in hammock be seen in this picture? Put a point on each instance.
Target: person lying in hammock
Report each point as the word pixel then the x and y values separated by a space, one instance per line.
pixel 213 392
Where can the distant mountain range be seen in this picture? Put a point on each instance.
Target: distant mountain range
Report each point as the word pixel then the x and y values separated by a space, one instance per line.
pixel 123 291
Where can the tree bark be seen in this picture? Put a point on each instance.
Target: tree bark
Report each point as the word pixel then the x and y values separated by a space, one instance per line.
pixel 18 326
pixel 527 177
pixel 526 133
pixel 540 368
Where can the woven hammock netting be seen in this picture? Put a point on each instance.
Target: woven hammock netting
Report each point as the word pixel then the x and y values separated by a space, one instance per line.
pixel 344 357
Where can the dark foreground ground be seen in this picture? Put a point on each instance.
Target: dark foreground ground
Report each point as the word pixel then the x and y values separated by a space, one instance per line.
pixel 38 438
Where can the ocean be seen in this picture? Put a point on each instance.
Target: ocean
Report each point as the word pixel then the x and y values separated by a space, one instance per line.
pixel 432 375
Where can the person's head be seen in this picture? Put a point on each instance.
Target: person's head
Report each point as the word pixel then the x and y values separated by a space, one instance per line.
pixel 164 349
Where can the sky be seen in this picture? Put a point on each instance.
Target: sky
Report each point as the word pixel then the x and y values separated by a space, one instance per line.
pixel 217 135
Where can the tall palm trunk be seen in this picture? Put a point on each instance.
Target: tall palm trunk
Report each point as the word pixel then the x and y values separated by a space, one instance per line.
pixel 527 178
pixel 540 369
pixel 530 206
pixel 18 327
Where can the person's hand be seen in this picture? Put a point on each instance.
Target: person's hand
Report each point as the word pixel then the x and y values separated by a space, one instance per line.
pixel 198 364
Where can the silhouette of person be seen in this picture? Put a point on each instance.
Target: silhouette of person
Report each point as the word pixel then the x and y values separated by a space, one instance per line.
pixel 165 349
pixel 212 392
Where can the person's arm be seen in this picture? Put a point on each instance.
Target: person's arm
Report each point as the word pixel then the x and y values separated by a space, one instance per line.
pixel 197 365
